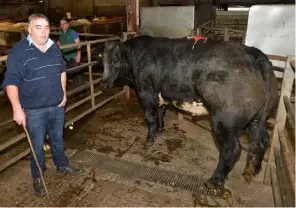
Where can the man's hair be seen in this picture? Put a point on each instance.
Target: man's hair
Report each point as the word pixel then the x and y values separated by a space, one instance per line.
pixel 37 16
pixel 65 19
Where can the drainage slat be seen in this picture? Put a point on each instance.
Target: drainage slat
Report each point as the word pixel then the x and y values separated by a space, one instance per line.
pixel 139 171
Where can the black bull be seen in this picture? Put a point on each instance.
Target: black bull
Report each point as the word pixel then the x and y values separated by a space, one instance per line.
pixel 235 83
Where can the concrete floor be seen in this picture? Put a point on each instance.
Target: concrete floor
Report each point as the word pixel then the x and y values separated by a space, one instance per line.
pixel 118 130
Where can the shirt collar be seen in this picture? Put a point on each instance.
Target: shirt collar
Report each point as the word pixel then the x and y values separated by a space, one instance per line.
pixel 48 44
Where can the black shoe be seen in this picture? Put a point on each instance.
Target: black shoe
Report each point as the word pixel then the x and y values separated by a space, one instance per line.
pixel 38 187
pixel 68 170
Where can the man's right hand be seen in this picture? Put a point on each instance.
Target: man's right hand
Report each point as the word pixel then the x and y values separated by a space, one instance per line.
pixel 19 116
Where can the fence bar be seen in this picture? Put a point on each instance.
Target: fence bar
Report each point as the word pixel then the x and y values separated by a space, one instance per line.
pixel 6 122
pixel 85 86
pixel 290 112
pixel 83 101
pixel 277 58
pixel 12 141
pixel 275 187
pixel 288 156
pixel 15 159
pixel 82 66
pixel 68 123
pixel 281 116
pixel 88 34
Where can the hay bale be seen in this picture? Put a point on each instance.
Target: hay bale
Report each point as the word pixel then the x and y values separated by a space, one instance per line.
pixel 79 22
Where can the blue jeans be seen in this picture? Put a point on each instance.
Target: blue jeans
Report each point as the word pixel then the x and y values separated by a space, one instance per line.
pixel 40 122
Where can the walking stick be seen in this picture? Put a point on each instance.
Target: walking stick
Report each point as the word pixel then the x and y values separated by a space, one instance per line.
pixel 35 158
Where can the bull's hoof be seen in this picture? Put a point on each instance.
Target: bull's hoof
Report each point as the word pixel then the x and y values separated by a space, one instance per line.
pixel 209 184
pixel 249 171
pixel 149 142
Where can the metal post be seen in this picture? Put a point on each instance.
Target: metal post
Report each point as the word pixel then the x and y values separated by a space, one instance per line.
pixel 132 13
pixel 226 34
pixel 90 75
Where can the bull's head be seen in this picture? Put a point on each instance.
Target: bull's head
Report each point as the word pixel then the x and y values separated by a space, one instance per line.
pixel 114 60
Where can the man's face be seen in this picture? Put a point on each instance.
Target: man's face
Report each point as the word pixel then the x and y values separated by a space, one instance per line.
pixel 64 25
pixel 39 30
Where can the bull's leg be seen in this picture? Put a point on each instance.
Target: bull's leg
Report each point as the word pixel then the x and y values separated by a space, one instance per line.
pixel 160 113
pixel 227 138
pixel 150 105
pixel 257 149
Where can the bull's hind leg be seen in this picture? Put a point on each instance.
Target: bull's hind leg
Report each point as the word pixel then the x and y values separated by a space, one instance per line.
pixel 160 114
pixel 227 138
pixel 258 146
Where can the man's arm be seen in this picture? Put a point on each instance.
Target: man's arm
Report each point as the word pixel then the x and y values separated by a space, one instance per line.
pixel 18 113
pixel 64 86
pixel 13 76
pixel 78 57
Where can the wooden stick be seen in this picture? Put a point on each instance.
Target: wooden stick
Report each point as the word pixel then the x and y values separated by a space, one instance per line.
pixel 35 158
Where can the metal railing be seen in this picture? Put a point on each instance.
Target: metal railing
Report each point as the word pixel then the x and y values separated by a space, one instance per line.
pixel 212 30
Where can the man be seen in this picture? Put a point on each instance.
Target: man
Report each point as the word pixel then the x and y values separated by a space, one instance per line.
pixel 35 82
pixel 71 55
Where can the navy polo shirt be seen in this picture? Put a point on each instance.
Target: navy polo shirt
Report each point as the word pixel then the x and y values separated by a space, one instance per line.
pixel 36 74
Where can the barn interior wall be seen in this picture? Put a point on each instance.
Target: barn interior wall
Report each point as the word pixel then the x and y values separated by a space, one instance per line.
pixel 85 8
pixel 19 12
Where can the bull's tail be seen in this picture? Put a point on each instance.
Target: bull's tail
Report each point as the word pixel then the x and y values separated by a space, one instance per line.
pixel 266 68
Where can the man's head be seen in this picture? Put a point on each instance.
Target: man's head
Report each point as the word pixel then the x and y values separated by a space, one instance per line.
pixel 39 28
pixel 64 24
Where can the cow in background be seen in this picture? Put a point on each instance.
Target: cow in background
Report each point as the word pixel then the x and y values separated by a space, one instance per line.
pixel 234 82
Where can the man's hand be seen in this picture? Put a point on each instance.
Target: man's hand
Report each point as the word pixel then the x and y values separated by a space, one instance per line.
pixel 77 59
pixel 63 103
pixel 19 116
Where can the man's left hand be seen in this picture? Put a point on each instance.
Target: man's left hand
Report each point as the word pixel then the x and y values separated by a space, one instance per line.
pixel 63 103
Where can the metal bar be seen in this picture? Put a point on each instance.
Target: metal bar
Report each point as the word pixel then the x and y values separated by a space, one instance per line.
pixel 277 58
pixel 83 65
pixel 88 34
pixel 12 141
pixel 68 123
pixel 15 159
pixel 94 74
pixel 290 112
pixel 90 42
pixel 83 101
pixel 222 29
pixel 90 75
pixel 83 87
pixel 6 122
pixel 289 158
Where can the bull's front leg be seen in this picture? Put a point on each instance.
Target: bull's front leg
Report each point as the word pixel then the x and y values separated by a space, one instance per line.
pixel 150 105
